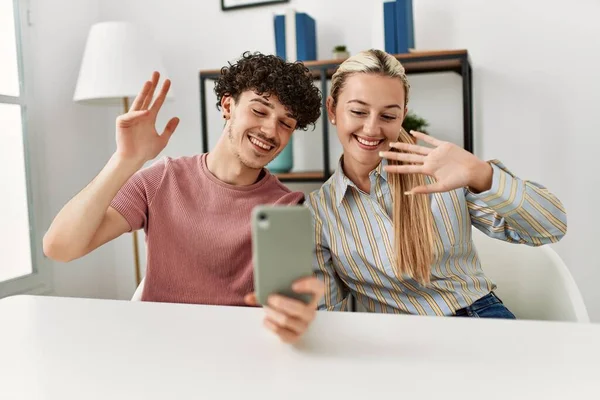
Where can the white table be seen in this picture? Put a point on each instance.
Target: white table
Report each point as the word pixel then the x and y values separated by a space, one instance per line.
pixel 61 348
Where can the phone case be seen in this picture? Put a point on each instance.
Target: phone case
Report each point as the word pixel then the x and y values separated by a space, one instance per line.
pixel 282 250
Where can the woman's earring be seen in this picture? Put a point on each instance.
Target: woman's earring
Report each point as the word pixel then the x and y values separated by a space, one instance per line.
pixel 333 121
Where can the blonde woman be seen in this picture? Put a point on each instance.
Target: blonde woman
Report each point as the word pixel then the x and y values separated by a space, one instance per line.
pixel 393 224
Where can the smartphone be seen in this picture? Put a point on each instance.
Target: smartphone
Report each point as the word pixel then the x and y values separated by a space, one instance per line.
pixel 282 250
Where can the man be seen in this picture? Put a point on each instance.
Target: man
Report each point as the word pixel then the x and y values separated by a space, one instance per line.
pixel 196 210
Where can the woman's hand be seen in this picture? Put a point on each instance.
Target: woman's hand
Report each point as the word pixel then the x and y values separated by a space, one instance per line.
pixel 452 166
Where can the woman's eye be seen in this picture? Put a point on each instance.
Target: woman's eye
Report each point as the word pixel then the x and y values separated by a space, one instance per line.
pixel 360 113
pixel 262 114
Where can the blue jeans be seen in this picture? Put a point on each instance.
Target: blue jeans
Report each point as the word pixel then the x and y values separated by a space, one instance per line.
pixel 489 306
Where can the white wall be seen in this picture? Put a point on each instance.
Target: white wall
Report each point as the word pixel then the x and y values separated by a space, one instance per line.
pixel 535 83
pixel 73 138
pixel 537 86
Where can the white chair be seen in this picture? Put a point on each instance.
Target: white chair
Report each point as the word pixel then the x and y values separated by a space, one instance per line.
pixel 137 295
pixel 533 282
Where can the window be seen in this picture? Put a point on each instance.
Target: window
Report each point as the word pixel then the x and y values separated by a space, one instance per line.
pixel 19 248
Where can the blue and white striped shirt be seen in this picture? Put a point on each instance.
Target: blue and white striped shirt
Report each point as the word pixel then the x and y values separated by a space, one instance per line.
pixel 354 239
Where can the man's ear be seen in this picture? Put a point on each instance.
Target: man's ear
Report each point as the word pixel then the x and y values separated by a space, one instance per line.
pixel 330 109
pixel 226 103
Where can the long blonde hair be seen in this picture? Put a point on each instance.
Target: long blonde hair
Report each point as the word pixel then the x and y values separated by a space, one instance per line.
pixel 413 220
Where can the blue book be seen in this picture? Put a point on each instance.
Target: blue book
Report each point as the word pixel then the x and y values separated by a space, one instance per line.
pixel 279 22
pixel 312 30
pixel 410 25
pixel 306 37
pixel 389 27
pixel 405 38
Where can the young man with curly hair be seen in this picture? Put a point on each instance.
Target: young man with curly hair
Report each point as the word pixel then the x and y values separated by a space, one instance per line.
pixel 196 210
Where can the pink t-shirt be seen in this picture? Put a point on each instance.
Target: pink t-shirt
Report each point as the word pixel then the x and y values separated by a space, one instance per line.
pixel 197 229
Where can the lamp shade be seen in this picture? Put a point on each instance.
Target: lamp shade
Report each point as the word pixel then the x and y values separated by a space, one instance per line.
pixel 117 60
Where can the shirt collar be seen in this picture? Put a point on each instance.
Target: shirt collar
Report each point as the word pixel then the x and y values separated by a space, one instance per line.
pixel 342 182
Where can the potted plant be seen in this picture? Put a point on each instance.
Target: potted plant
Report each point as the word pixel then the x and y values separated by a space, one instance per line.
pixel 340 52
pixel 412 122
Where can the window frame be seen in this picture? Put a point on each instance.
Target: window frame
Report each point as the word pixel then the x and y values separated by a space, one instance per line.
pixel 39 281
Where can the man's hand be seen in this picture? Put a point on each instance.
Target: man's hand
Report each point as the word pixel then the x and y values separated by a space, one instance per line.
pixel 290 318
pixel 137 137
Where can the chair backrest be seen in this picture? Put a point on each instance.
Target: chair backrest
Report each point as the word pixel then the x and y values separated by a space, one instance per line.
pixel 137 295
pixel 533 282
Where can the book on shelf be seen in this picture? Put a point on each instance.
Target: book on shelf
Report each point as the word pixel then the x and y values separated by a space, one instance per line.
pixel 398 26
pixel 295 36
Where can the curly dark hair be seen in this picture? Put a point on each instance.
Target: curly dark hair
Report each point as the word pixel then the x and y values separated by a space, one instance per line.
pixel 269 74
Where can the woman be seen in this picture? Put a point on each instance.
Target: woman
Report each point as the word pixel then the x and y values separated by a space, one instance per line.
pixel 393 224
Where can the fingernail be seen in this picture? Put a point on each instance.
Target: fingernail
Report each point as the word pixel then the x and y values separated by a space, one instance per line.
pixel 381 154
pixel 408 193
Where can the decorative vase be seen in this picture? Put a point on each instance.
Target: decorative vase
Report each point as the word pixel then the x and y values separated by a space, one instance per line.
pixel 337 55
pixel 284 162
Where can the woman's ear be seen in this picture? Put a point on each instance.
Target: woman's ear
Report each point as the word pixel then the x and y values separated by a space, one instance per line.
pixel 226 106
pixel 330 109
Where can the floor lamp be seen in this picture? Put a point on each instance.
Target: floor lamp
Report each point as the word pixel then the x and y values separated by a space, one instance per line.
pixel 117 60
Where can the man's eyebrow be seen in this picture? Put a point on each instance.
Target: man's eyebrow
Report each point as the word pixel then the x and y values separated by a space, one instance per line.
pixel 261 100
pixel 265 102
